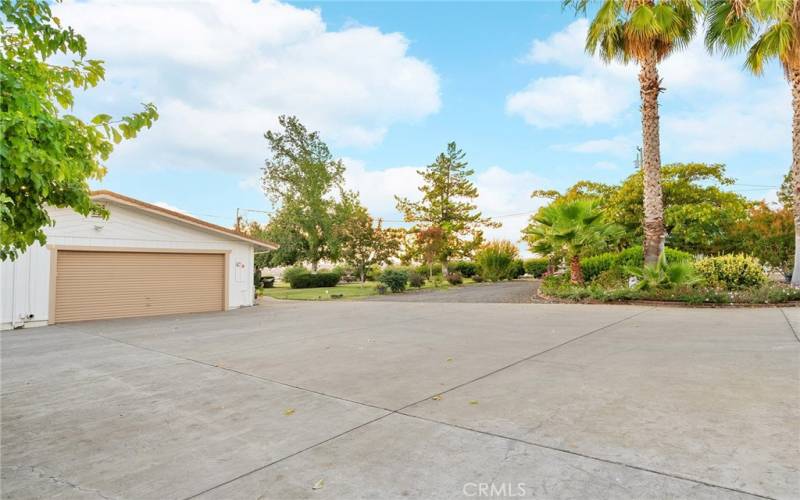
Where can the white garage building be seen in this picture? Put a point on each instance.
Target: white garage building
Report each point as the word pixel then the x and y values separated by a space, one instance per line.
pixel 143 260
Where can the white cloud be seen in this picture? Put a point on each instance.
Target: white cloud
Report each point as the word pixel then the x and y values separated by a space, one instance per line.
pixel 377 188
pixel 222 71
pixel 622 146
pixel 562 100
pixel 756 121
pixel 711 110
pixel 605 165
pixel 164 204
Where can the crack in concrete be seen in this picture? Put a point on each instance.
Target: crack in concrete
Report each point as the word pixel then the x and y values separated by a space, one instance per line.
pixel 44 474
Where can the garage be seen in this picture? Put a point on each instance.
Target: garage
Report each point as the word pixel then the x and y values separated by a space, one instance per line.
pixel 144 260
pixel 101 285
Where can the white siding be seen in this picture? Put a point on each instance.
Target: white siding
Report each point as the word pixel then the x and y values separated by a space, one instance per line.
pixel 25 283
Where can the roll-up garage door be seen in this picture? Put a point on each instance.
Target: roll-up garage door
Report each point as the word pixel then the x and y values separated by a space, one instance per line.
pixel 101 285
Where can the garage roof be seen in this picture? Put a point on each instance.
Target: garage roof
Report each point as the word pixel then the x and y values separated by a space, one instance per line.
pixel 105 195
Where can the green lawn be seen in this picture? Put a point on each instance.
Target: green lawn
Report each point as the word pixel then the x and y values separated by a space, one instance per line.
pixel 346 290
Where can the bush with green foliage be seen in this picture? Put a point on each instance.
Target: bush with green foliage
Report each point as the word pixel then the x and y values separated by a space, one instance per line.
pixel 597 264
pixel 477 278
pixel 425 270
pixel 733 272
pixel 634 256
pixel 768 293
pixel 415 279
pixel 665 274
pixel 455 278
pixel 496 260
pixel 466 268
pixel 312 280
pixel 536 267
pixel 394 279
pixel 291 272
pixel 517 269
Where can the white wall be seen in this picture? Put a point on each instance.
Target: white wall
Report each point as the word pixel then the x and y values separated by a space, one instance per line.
pixel 25 283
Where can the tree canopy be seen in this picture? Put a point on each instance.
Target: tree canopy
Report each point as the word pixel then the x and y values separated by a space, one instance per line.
pixel 48 155
pixel 447 194
pixel 699 214
pixel 304 183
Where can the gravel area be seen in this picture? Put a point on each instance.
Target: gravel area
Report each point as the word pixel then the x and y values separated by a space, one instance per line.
pixel 508 292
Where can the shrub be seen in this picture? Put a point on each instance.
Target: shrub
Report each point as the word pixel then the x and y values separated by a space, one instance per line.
pixel 597 264
pixel 466 268
pixel 611 278
pixel 415 279
pixel 634 256
pixel 435 269
pixel 477 278
pixel 496 260
pixel 395 279
pixel 517 269
pixel 666 274
pixel 455 278
pixel 536 267
pixel 734 272
pixel 310 280
pixel 289 272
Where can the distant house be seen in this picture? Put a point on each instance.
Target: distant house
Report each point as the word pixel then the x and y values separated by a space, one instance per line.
pixel 144 260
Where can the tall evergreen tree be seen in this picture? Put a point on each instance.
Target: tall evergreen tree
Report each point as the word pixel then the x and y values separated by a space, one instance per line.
pixel 447 194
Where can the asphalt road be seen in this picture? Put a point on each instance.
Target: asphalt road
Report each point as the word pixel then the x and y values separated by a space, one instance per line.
pixel 505 292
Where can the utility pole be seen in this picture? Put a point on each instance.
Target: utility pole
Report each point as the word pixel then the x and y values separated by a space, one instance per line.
pixel 638 161
pixel 238 222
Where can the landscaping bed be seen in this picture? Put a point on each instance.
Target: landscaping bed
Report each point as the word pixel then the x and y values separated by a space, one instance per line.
pixel 559 289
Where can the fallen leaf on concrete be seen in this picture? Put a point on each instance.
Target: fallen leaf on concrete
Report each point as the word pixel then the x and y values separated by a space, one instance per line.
pixel 449 359
pixel 288 411
pixel 318 485
pixel 437 398
pixel 473 402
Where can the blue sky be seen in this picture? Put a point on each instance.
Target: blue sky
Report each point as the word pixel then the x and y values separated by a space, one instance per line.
pixel 390 83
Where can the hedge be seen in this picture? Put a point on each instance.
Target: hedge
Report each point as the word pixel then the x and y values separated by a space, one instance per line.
pixel 630 257
pixel 309 280
pixel 536 267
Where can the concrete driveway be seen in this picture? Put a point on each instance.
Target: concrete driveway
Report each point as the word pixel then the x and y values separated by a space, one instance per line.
pixel 394 400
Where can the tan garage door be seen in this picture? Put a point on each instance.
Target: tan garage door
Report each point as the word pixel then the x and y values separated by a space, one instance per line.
pixel 100 285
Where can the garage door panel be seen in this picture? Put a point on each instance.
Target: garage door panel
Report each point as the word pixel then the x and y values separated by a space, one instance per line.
pixel 100 285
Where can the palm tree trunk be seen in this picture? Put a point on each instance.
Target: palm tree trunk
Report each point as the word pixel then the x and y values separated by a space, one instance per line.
pixel 575 271
pixel 649 84
pixel 794 79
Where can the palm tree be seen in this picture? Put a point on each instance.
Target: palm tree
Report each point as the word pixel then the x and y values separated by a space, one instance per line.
pixel 768 30
pixel 644 31
pixel 575 228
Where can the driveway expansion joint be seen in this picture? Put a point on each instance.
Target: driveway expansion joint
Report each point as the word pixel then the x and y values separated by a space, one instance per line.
pixel 590 457
pixel 791 327
pixel 526 358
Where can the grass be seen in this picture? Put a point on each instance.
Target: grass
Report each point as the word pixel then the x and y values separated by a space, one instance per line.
pixel 346 290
